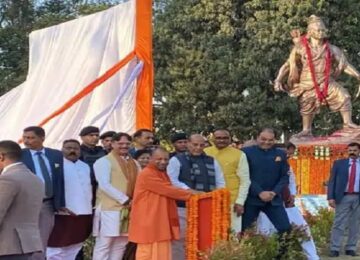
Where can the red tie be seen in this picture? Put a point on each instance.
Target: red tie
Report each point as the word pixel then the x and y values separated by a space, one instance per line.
pixel 352 176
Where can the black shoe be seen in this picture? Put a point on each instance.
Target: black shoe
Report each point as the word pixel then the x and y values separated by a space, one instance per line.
pixel 334 253
pixel 351 253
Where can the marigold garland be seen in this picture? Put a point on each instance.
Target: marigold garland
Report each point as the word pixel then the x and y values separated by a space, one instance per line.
pixel 312 166
pixel 320 93
pixel 220 220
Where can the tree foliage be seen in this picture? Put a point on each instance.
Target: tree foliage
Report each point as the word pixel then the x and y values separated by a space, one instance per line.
pixel 215 61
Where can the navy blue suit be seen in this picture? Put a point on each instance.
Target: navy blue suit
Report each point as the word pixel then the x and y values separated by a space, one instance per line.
pixel 338 180
pixel 268 172
pixel 56 161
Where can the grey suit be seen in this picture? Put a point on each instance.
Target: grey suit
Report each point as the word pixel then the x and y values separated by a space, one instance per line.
pixel 21 195
pixel 347 211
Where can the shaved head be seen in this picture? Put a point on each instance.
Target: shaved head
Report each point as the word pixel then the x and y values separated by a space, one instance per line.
pixel 159 158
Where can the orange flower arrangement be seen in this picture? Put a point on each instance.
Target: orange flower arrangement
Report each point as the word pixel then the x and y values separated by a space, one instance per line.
pixel 220 220
pixel 312 166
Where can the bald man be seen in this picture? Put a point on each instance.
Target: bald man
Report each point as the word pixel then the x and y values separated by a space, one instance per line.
pixel 192 170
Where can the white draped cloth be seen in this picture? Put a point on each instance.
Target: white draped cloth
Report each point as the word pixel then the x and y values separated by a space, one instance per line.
pixel 66 58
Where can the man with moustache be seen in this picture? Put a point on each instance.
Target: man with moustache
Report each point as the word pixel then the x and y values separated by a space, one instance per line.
pixel 343 196
pixel 143 139
pixel 235 167
pixel 48 165
pixel 71 230
pixel 154 189
pixel 116 175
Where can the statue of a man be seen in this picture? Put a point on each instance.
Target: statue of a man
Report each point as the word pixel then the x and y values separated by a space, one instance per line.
pixel 312 67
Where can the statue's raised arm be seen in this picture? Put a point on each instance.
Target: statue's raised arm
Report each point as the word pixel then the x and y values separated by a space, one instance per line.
pixel 312 68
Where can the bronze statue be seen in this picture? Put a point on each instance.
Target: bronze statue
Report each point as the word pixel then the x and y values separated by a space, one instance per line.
pixel 312 68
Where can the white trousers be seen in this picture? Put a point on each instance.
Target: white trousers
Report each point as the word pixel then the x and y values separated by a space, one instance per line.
pixel 109 248
pixel 63 253
pixel 265 226
pixel 235 220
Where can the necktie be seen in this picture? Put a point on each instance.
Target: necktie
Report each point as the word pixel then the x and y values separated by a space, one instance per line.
pixel 46 176
pixel 352 176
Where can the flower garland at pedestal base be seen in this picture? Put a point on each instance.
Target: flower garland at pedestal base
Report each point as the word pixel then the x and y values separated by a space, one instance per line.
pixel 312 165
pixel 208 221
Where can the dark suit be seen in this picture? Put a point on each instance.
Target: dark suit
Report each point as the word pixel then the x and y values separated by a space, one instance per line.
pixel 56 161
pixel 268 172
pixel 347 210
pixel 338 180
pixel 47 218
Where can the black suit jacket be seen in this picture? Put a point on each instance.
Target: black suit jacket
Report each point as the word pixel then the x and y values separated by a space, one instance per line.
pixel 56 161
pixel 338 180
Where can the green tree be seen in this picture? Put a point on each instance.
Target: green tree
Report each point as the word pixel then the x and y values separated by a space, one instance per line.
pixel 215 60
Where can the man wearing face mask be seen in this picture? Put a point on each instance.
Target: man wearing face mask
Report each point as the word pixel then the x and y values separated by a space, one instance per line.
pixel 71 230
pixel 192 170
pixel 343 196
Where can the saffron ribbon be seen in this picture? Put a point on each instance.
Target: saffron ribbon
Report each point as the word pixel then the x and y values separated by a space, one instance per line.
pixel 321 94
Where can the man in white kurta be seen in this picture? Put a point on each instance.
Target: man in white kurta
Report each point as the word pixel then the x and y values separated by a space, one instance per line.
pixel 265 226
pixel 116 174
pixel 71 230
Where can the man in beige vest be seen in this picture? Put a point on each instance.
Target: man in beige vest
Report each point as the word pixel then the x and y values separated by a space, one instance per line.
pixel 21 196
pixel 116 174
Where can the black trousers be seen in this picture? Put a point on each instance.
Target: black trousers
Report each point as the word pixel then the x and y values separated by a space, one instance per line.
pixel 16 257
pixel 276 214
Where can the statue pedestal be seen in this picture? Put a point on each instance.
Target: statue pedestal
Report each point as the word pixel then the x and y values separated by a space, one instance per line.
pixel 314 158
pixel 344 136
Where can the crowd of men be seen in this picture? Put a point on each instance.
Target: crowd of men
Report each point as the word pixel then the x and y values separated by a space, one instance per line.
pixel 130 193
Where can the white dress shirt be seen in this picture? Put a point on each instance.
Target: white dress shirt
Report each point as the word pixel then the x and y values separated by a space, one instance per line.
pixel 292 182
pixel 173 170
pixel 78 189
pixel 37 165
pixel 357 176
pixel 107 223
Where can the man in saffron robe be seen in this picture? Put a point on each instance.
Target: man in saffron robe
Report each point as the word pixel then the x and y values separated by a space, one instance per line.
pixel 154 220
